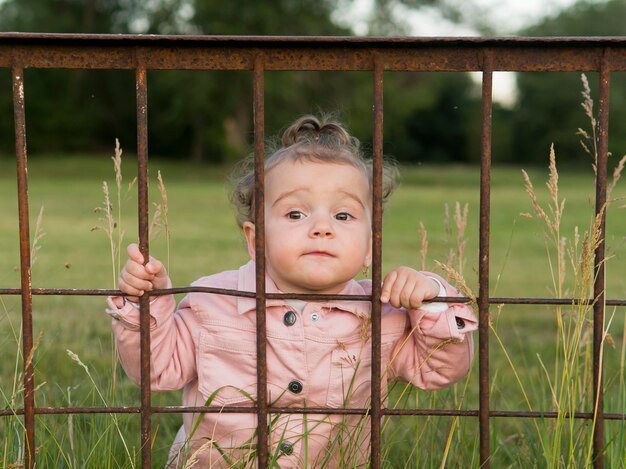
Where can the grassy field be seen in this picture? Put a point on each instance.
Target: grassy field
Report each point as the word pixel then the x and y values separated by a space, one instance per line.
pixel 528 344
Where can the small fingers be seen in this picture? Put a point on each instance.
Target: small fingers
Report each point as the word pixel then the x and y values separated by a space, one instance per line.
pixel 399 292
pixel 405 288
pixel 137 278
pixel 154 267
pixel 134 253
pixel 387 286
pixel 394 288
pixel 415 298
pixel 132 284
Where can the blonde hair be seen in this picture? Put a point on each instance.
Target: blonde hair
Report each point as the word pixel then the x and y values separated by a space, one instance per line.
pixel 308 139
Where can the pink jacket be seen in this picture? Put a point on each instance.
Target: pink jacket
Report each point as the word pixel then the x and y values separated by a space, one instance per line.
pixel 317 357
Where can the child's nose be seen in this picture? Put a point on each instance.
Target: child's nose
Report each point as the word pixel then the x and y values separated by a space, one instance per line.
pixel 321 228
pixel 322 233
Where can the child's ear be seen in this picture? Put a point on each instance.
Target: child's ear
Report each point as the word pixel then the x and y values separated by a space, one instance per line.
pixel 250 233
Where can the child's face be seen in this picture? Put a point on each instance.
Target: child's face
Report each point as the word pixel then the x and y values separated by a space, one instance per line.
pixel 317 226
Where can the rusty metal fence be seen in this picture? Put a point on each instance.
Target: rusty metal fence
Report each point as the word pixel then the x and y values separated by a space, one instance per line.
pixel 260 54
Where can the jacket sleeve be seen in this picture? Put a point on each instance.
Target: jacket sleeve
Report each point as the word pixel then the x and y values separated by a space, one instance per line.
pixel 437 348
pixel 172 342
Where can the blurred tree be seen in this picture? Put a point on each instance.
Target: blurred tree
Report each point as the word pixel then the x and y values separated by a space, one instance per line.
pixel 207 116
pixel 70 110
pixel 433 118
pixel 548 106
pixel 218 105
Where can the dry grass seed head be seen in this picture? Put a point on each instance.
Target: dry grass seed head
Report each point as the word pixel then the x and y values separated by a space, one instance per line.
pixel 77 359
pixel 530 190
pixel 164 214
pixel 31 354
pixel 194 458
pixel 587 103
pixel 157 221
pixel 461 218
pixel 366 327
pixel 461 225
pixel 583 133
pixel 117 165
pixel 553 185
pixel 572 250
pixel 617 173
pixel 108 222
pixel 557 207
pixel 39 234
pixel 459 280
pixel 164 204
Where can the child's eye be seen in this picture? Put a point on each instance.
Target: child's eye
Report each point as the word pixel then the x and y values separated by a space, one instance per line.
pixel 344 216
pixel 295 215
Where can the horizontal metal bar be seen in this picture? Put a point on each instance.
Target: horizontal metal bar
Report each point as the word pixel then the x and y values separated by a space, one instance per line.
pixel 73 410
pixel 310 410
pixel 309 53
pixel 300 296
pixel 500 413
pixel 63 292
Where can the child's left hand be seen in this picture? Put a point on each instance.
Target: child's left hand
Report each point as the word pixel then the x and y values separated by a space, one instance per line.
pixel 407 288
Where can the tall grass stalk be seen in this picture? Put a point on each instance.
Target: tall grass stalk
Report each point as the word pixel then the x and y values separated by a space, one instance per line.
pixel 160 218
pixel 39 235
pixel 103 401
pixel 108 225
pixel 81 440
pixel 562 440
pixel 14 401
pixel 111 220
pixel 117 165
pixel 456 242
pixel 427 443
pixel 566 371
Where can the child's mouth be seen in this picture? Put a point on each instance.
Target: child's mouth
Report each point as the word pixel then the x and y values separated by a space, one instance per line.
pixel 319 254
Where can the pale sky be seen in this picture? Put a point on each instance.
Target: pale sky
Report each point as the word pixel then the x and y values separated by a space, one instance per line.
pixel 506 16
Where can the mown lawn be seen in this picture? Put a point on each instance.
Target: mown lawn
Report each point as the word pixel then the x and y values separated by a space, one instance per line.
pixel 205 239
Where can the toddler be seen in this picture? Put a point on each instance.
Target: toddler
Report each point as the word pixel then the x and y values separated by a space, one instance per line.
pixel 318 199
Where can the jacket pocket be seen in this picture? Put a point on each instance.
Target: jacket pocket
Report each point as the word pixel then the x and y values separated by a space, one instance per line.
pixel 226 370
pixel 350 378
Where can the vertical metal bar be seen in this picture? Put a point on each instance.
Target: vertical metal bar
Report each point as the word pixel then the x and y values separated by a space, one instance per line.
pixel 259 223
pixel 599 283
pixel 377 216
pixel 144 301
pixel 25 265
pixel 483 264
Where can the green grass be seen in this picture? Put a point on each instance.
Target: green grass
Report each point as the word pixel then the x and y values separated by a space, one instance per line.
pixel 205 239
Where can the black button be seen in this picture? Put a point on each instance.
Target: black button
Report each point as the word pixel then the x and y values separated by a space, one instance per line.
pixel 289 319
pixel 286 448
pixel 295 386
pixel 460 324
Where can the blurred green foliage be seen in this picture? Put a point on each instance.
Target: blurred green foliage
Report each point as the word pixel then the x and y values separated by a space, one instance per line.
pixel 207 116
pixel 548 107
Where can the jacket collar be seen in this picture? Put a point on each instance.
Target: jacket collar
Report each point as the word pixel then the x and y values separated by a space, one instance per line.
pixel 247 282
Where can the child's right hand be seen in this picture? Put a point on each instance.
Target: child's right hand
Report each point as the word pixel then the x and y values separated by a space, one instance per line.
pixel 137 278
